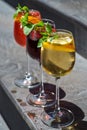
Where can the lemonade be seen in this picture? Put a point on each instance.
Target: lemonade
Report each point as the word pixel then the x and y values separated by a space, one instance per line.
pixel 58 55
pixel 58 58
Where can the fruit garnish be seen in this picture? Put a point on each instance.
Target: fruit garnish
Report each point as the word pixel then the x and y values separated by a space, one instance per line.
pixel 45 34
pixel 31 20
pixel 50 35
pixel 35 13
pixel 35 35
pixel 28 26
pixel 19 9
pixel 29 23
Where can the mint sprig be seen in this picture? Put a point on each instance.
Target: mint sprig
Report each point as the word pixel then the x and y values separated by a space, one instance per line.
pixel 24 20
pixel 48 28
pixel 41 40
pixel 47 37
pixel 19 9
pixel 28 27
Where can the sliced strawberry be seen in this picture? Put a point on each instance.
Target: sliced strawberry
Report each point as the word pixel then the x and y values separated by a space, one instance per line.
pixel 53 30
pixel 35 13
pixel 35 35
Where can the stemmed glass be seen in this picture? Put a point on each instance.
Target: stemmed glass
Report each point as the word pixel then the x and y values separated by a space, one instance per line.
pixel 29 79
pixel 57 59
pixel 43 98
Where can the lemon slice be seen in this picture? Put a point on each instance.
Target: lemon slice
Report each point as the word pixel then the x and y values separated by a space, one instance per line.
pixel 63 60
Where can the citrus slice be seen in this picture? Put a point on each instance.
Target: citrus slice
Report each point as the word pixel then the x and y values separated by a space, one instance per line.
pixel 33 19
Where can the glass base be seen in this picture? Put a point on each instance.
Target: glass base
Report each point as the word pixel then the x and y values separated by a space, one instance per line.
pixel 41 100
pixel 29 81
pixel 58 119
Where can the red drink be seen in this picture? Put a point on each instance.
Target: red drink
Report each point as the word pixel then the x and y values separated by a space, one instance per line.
pixel 19 36
pixel 32 41
pixel 33 37
pixel 20 20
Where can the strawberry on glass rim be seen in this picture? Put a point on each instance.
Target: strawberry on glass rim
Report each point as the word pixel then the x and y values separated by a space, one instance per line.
pixel 35 35
pixel 35 13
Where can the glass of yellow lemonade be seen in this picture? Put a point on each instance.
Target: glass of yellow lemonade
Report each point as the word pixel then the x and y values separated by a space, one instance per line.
pixel 57 59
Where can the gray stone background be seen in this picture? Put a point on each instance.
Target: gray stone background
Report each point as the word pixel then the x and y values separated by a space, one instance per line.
pixel 13 63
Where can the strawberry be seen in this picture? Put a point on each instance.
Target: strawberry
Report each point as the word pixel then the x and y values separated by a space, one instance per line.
pixel 35 35
pixel 35 13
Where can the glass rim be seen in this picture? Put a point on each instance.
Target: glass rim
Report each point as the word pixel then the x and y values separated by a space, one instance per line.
pixel 49 21
pixel 34 10
pixel 64 30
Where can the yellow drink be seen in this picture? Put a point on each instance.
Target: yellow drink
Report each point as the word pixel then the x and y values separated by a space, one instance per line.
pixel 58 55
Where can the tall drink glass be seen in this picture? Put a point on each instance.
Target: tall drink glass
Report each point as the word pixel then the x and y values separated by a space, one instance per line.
pixel 28 80
pixel 43 98
pixel 57 59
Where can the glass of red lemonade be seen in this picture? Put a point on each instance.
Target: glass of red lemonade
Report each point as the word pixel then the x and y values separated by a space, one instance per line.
pixel 29 79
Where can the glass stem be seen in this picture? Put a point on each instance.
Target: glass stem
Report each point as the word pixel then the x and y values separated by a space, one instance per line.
pixel 57 94
pixel 28 63
pixel 42 84
pixel 28 67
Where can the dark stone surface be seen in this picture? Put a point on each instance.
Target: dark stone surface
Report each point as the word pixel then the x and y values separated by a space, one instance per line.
pixel 13 61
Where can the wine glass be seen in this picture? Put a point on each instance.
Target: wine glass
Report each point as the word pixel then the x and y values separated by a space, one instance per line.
pixel 57 59
pixel 43 98
pixel 28 80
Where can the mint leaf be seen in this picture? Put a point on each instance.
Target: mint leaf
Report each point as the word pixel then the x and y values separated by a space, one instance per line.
pixel 41 40
pixel 27 29
pixel 40 24
pixel 44 33
pixel 48 28
pixel 20 9
pixel 44 28
pixel 24 20
pixel 25 9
